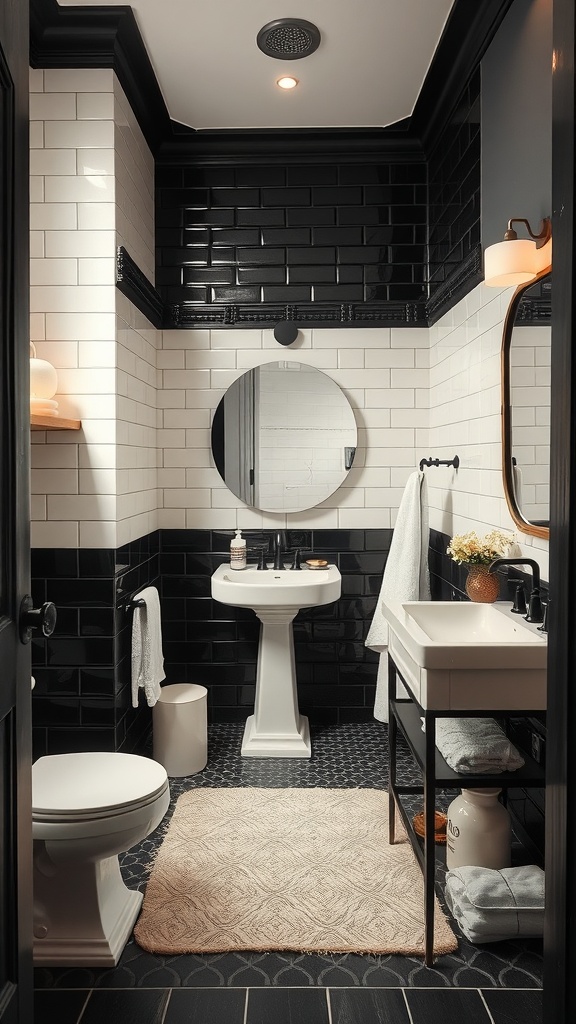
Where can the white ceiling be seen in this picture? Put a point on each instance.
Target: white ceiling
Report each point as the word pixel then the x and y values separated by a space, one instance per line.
pixel 367 71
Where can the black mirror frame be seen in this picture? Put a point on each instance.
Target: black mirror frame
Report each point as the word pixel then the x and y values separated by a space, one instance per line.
pixel 523 524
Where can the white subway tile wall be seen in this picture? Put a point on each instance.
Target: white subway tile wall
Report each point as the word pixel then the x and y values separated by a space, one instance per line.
pixel 465 401
pixel 92 176
pixel 196 367
pixel 146 399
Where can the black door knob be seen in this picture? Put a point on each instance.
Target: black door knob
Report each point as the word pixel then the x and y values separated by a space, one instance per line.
pixel 43 618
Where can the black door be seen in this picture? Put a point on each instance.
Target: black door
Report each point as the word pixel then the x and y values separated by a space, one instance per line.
pixel 15 700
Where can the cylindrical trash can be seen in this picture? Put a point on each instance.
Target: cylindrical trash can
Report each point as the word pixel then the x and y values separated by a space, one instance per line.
pixel 180 730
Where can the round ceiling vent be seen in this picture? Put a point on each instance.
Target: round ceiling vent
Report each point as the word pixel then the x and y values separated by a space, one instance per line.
pixel 288 38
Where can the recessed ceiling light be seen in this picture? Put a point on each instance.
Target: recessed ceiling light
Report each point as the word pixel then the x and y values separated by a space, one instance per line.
pixel 287 82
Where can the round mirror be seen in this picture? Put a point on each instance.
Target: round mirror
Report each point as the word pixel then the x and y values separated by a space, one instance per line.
pixel 283 437
pixel 526 406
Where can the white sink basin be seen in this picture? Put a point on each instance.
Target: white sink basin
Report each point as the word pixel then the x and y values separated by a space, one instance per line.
pixel 462 622
pixel 463 655
pixel 276 588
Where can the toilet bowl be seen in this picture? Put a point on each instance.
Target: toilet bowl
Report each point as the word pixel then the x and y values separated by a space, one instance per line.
pixel 86 809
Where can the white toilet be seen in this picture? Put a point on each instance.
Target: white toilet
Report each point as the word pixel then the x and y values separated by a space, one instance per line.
pixel 86 809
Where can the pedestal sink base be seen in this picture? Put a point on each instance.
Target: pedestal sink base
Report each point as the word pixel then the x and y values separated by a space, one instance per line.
pixel 279 744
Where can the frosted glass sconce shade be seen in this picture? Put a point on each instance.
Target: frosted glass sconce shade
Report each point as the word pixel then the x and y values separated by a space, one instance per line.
pixel 43 385
pixel 515 261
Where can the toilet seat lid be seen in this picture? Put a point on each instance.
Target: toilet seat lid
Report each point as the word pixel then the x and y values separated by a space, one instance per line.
pixel 93 783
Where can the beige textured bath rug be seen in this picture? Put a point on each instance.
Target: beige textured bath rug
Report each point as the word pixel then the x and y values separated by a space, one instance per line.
pixel 291 869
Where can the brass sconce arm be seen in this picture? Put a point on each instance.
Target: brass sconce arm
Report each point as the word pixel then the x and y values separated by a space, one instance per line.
pixel 541 238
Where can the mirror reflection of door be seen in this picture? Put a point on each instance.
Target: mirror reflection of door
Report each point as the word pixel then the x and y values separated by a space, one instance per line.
pixel 283 437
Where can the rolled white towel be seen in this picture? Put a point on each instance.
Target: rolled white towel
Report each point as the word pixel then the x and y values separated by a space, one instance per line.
pixel 476 745
pixel 491 906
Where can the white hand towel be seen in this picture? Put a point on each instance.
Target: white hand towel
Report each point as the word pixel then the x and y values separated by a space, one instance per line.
pixel 406 576
pixel 147 656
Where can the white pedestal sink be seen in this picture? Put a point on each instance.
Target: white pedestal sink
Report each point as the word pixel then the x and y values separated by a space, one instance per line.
pixel 276 729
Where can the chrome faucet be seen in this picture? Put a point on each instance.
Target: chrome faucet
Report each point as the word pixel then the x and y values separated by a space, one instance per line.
pixel 535 611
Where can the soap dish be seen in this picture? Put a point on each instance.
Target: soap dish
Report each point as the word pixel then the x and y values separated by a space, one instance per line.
pixel 440 822
pixel 316 563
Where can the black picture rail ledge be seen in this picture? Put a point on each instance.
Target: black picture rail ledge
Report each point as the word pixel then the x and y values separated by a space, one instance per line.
pixel 305 315
pixel 444 296
pixel 138 289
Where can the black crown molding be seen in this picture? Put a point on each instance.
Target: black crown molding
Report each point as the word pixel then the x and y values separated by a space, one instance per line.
pixel 137 288
pixel 101 37
pixel 293 145
pixel 91 37
pixel 467 35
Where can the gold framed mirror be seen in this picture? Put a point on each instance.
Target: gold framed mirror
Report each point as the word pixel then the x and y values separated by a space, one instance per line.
pixel 525 363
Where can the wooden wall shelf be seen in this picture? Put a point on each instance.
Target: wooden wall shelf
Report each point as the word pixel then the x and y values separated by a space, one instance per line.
pixel 38 422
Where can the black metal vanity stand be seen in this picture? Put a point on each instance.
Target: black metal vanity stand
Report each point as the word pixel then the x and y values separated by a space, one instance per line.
pixel 405 714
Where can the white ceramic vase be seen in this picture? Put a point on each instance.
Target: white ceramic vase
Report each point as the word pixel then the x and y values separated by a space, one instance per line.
pixel 478 831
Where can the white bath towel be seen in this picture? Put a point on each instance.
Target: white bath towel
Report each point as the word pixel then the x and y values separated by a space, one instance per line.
pixel 147 656
pixel 490 906
pixel 406 576
pixel 476 745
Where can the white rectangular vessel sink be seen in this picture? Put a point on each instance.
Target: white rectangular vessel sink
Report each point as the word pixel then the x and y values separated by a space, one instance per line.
pixel 461 634
pixel 462 655
pixel 462 622
pixel 274 588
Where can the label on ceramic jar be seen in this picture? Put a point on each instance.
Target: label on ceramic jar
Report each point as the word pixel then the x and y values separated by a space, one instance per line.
pixel 452 833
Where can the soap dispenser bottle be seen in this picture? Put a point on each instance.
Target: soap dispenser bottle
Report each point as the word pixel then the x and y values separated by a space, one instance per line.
pixel 238 551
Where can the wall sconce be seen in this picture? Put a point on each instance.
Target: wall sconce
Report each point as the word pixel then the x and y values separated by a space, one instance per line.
pixel 516 260
pixel 43 386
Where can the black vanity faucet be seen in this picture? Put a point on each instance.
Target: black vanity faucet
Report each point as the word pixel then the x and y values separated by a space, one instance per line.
pixel 279 545
pixel 535 610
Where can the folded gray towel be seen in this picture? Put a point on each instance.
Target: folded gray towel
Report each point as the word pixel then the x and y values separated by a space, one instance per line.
pixel 490 906
pixel 472 745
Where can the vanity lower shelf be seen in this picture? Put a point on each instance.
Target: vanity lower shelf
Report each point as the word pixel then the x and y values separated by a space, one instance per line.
pixel 405 717
pixel 408 718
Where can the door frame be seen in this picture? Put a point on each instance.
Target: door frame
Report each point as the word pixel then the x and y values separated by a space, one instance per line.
pixel 17 995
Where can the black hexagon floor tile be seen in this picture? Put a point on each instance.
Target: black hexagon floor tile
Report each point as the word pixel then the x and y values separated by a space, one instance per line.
pixel 351 756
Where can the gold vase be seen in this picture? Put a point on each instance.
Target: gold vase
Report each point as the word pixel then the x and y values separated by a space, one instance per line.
pixel 481 585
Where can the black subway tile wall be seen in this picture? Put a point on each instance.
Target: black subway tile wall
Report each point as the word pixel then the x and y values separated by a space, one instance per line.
pixel 333 232
pixel 216 645
pixel 454 192
pixel 82 699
